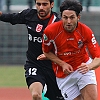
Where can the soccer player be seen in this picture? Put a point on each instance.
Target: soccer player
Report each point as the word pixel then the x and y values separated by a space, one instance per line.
pixel 68 43
pixel 37 73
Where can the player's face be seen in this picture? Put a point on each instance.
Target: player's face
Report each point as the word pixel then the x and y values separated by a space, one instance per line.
pixel 44 8
pixel 70 20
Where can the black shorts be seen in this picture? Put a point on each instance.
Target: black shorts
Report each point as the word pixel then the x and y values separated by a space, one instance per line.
pixel 39 73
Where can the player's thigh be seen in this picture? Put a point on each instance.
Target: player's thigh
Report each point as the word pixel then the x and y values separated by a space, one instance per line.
pixel 52 87
pixel 69 87
pixel 88 86
pixel 89 92
pixel 33 74
pixel 50 78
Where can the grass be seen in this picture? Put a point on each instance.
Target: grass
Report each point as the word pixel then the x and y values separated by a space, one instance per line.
pixel 12 76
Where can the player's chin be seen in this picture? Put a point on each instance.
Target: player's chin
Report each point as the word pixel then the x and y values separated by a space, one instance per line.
pixel 42 14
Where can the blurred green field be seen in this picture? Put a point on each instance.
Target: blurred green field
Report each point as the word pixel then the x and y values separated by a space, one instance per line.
pixel 13 76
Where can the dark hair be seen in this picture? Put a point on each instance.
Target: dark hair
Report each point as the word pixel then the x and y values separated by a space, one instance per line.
pixel 49 0
pixel 71 5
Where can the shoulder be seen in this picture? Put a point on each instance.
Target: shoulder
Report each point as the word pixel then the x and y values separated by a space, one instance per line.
pixel 54 26
pixel 29 14
pixel 57 16
pixel 28 11
pixel 85 31
pixel 53 29
pixel 84 27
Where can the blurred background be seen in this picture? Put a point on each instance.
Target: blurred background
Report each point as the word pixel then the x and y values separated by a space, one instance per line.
pixel 13 39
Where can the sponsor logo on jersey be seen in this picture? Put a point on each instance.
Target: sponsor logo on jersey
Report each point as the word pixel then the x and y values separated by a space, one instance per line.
pixel 70 53
pixel 34 39
pixel 70 39
pixel 39 28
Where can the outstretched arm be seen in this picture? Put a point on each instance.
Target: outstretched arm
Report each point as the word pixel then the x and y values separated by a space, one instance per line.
pixel 83 68
pixel 95 64
pixel 67 69
pixel 14 18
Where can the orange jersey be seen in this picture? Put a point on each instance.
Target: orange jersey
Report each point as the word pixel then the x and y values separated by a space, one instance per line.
pixel 73 48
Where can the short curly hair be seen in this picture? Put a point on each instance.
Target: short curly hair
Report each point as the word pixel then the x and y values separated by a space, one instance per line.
pixel 71 5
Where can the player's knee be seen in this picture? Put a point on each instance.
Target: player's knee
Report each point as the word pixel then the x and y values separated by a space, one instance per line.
pixel 36 96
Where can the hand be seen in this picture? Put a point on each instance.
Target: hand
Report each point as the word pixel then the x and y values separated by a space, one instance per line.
pixel 67 69
pixel 42 57
pixel 0 13
pixel 83 68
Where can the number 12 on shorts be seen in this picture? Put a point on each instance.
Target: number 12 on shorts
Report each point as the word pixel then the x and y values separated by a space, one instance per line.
pixel 32 71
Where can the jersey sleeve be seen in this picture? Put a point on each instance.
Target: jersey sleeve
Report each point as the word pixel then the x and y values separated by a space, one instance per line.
pixel 47 41
pixel 92 45
pixel 14 18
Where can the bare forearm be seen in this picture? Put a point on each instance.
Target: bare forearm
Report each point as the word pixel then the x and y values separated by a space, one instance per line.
pixel 67 69
pixel 54 58
pixel 95 64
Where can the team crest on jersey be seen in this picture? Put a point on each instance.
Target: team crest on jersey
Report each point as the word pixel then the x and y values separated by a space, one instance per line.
pixel 80 43
pixel 39 28
pixel 45 37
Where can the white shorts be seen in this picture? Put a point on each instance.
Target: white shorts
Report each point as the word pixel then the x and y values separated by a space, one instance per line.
pixel 71 85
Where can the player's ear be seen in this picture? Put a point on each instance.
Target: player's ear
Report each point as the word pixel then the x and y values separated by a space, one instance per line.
pixel 52 4
pixel 78 17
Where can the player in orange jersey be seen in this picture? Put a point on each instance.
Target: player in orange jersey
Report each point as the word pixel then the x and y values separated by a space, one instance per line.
pixel 68 43
pixel 37 73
